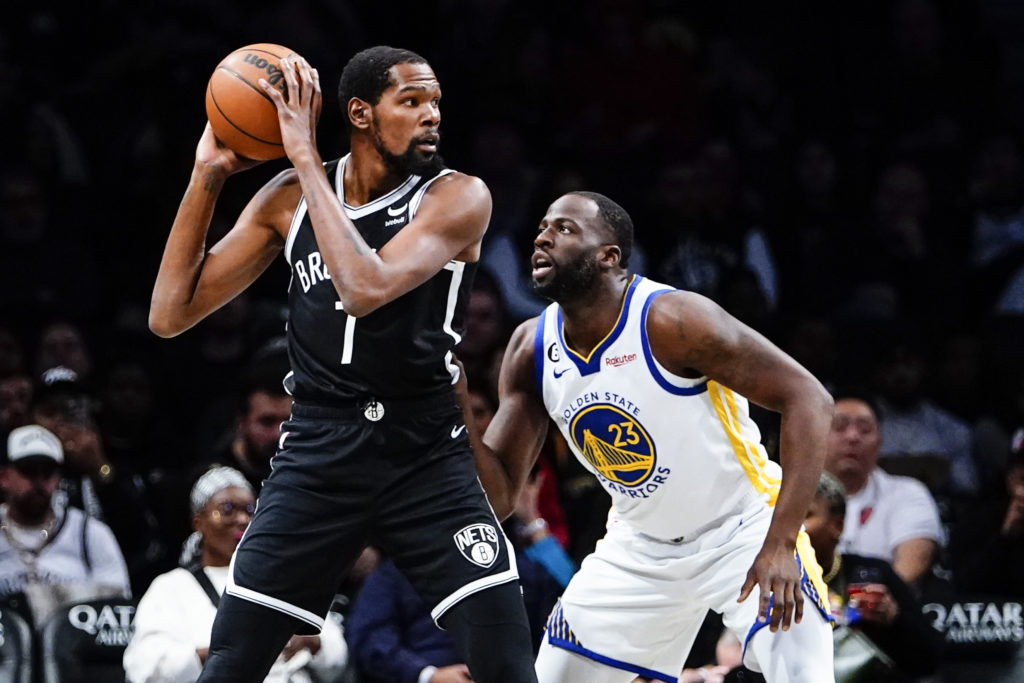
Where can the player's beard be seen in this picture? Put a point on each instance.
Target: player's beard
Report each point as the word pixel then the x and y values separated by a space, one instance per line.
pixel 34 506
pixel 412 161
pixel 572 281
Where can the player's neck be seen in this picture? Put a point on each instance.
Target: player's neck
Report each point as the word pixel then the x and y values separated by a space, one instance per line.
pixel 591 318
pixel 367 176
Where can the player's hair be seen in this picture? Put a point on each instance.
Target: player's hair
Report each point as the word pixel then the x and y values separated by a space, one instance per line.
pixel 368 74
pixel 832 491
pixel 617 220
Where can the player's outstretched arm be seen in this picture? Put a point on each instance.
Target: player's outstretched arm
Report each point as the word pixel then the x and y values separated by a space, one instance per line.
pixel 193 282
pixel 505 454
pixel 691 333
pixel 449 223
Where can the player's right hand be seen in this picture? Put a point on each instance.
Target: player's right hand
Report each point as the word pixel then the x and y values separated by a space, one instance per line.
pixel 214 155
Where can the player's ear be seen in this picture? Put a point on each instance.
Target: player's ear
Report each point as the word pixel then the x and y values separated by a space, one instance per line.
pixel 359 113
pixel 610 256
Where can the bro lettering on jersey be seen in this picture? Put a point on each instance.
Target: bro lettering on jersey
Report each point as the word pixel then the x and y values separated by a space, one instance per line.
pixel 311 270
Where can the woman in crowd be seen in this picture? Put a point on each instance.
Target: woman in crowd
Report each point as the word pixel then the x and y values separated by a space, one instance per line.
pixel 174 617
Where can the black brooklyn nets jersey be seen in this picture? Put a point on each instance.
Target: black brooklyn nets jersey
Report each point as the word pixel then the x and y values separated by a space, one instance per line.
pixel 401 350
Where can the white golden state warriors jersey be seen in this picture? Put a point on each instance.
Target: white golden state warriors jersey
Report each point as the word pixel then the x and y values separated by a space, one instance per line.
pixel 677 455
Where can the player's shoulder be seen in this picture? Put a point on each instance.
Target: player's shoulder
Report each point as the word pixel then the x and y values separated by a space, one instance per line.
pixel 519 367
pixel 525 331
pixel 460 186
pixel 678 308
pixel 520 349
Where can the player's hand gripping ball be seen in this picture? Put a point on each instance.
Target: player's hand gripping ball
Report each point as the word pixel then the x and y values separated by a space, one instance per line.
pixel 240 113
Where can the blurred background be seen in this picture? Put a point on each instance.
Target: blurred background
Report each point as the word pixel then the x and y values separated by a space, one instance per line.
pixel 847 178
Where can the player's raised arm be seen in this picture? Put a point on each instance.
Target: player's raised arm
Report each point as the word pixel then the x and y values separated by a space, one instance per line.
pixel 449 223
pixel 505 454
pixel 192 281
pixel 691 333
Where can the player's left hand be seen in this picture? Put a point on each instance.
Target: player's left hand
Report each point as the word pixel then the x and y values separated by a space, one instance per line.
pixel 298 115
pixel 776 573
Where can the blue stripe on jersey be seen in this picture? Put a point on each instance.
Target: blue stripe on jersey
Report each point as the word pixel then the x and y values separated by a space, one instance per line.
pixel 538 352
pixel 649 356
pixel 560 635
pixel 592 363
pixel 808 587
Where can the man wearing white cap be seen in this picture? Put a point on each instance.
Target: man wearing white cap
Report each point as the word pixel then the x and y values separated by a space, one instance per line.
pixel 50 554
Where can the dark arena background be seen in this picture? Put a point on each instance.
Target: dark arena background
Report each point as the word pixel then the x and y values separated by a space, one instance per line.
pixel 847 179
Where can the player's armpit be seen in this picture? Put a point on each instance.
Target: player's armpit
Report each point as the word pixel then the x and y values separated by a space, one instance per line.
pixel 516 433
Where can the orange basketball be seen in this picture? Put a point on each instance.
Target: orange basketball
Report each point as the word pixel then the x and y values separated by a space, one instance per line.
pixel 241 114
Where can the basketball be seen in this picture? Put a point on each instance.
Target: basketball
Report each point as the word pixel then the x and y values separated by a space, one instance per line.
pixel 240 113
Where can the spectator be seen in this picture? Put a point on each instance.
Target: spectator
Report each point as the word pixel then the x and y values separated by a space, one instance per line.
pixel 724 235
pixel 887 517
pixel 16 392
pixel 50 554
pixel 93 482
pixel 63 345
pixel 252 440
pixel 174 617
pixel 865 593
pixel 911 424
pixel 12 357
pixel 987 547
pixel 997 190
pixel 488 325
pixel 393 638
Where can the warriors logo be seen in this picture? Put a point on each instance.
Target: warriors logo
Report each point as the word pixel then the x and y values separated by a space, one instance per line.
pixel 614 443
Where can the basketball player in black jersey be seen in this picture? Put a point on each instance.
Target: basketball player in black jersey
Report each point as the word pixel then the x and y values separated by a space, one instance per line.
pixel 382 245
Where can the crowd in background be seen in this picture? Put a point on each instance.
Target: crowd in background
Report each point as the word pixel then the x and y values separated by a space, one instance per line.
pixel 847 180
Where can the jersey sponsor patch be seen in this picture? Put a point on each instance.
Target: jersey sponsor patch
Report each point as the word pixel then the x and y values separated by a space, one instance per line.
pixel 615 443
pixel 478 543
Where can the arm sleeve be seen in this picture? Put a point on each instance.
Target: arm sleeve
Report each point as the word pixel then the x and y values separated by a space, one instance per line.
pixel 158 652
pixel 374 630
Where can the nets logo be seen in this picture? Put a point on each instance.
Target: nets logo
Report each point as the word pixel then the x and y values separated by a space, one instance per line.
pixel 615 443
pixel 478 543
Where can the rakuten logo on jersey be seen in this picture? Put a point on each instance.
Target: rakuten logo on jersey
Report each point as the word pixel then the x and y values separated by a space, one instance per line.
pixel 616 361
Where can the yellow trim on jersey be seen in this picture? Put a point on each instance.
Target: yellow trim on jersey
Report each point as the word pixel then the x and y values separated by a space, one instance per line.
pixel 809 561
pixel 740 446
pixel 622 310
pixel 759 459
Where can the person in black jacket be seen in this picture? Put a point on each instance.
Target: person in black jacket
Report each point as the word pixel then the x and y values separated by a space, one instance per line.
pixel 987 544
pixel 866 594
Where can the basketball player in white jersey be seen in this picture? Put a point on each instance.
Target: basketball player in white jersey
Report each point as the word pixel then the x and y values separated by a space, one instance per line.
pixel 649 386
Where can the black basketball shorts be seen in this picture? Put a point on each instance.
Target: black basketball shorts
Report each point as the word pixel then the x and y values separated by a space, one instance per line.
pixel 398 475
